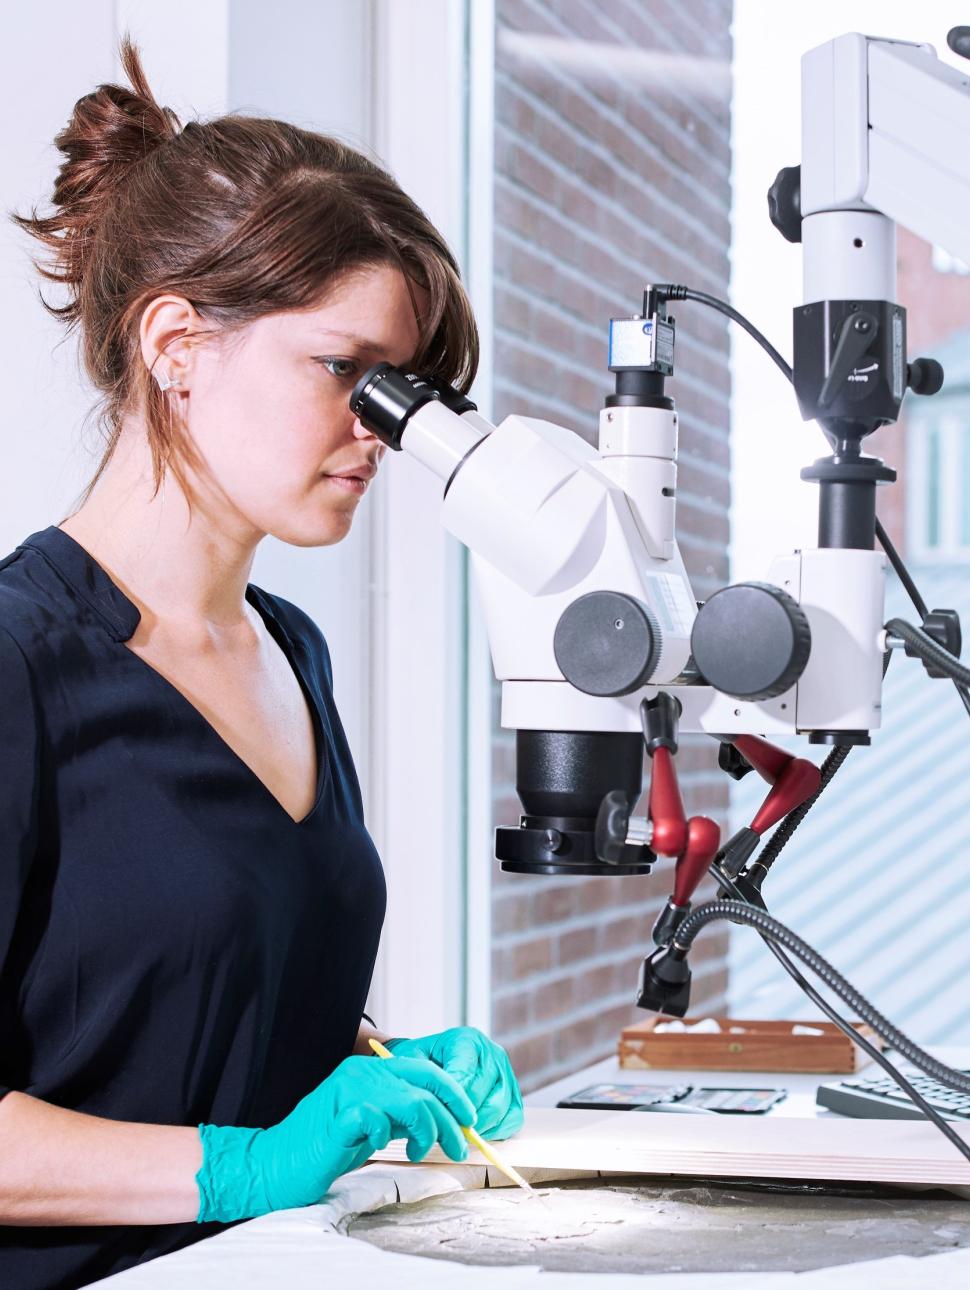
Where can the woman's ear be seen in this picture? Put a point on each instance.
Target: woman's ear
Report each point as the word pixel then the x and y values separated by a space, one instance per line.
pixel 167 323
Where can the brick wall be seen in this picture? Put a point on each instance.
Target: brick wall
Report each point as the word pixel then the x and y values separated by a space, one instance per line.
pixel 937 305
pixel 612 169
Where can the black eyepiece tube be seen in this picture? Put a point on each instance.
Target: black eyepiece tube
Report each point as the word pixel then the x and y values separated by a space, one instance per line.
pixel 385 399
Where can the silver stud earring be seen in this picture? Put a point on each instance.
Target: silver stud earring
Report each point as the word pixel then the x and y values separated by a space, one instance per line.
pixel 166 382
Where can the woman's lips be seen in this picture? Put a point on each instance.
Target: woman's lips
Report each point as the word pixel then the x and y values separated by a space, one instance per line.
pixel 348 483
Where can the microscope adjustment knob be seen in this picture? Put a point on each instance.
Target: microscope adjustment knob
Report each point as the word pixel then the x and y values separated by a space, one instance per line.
pixel 958 38
pixel 612 825
pixel 785 203
pixel 924 376
pixel 607 643
pixel 751 641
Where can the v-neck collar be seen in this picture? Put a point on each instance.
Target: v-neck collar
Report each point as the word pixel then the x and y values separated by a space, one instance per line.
pixel 86 578
pixel 120 617
pixel 92 584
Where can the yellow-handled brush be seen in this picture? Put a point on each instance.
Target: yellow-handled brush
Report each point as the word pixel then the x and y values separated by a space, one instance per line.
pixel 477 1141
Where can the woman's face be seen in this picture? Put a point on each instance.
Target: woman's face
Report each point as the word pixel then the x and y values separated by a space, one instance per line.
pixel 268 412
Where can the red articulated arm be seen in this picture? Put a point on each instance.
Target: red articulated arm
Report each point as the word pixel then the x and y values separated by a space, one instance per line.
pixel 793 780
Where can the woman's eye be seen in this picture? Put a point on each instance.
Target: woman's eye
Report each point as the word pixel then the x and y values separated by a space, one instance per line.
pixel 342 368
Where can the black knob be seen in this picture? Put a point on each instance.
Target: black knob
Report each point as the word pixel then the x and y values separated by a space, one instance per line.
pixel 733 762
pixel 785 203
pixel 751 641
pixel 612 825
pixel 925 376
pixel 944 627
pixel 958 38
pixel 607 643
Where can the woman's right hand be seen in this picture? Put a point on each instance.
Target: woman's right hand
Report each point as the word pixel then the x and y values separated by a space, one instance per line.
pixel 355 1111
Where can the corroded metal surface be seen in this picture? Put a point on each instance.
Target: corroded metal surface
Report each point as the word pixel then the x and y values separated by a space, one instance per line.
pixel 669 1225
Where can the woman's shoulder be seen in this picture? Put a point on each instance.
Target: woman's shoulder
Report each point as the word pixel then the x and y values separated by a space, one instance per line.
pixel 19 620
pixel 24 604
pixel 299 627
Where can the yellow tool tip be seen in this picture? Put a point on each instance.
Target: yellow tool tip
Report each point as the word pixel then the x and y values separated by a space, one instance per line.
pixel 489 1152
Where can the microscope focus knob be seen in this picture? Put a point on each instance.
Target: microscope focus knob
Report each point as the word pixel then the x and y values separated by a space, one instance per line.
pixel 607 643
pixel 925 376
pixel 751 641
pixel 785 203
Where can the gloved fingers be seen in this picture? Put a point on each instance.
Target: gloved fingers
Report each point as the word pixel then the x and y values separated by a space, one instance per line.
pixel 501 1114
pixel 468 1058
pixel 361 1126
pixel 412 1118
pixel 424 1074
pixel 421 1118
pixel 354 1136
pixel 494 1103
pixel 448 1131
pixel 510 1123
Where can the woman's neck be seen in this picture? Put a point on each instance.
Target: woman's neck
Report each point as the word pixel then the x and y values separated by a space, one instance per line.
pixel 186 572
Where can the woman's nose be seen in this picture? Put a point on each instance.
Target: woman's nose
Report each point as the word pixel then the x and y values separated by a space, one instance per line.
pixel 361 431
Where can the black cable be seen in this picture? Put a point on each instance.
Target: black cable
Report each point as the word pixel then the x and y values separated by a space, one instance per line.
pixel 761 920
pixel 832 763
pixel 919 604
pixel 674 292
pixel 902 573
pixel 932 651
pixel 870 1049
pixel 782 835
pixel 964 694
pixel 928 649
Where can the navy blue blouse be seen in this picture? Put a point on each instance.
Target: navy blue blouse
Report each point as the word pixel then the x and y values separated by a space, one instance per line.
pixel 174 948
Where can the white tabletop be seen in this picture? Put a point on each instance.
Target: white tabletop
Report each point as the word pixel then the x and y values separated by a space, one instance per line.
pixel 304 1249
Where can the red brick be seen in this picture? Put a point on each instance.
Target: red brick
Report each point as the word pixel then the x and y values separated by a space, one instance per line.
pixel 553 999
pixel 572 947
pixel 512 1012
pixel 510 913
pixel 530 957
pixel 555 901
pixel 621 932
pixel 531 1054
pixel 595 983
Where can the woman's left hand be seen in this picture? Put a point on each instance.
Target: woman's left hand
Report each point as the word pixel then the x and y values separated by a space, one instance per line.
pixel 481 1067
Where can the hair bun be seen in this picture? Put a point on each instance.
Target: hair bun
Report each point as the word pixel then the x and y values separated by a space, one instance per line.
pixel 110 131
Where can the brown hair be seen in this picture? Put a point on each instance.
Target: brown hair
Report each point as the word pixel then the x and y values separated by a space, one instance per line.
pixel 244 217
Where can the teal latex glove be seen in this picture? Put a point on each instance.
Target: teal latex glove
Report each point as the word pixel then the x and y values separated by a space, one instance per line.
pixel 355 1111
pixel 481 1067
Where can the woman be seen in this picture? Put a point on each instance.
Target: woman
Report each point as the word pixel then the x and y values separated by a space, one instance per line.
pixel 190 904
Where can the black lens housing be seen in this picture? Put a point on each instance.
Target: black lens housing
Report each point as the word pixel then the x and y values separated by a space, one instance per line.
pixel 562 777
pixel 385 399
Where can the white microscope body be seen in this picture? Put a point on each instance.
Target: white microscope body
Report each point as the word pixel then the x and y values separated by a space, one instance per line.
pixel 574 548
pixel 548 518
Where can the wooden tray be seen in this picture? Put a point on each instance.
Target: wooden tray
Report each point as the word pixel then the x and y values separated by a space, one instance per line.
pixel 763 1046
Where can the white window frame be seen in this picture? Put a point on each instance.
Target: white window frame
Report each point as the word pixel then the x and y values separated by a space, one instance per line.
pixel 948 419
pixel 430 811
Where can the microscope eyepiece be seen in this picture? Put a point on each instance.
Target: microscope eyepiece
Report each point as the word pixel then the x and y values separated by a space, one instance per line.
pixel 385 399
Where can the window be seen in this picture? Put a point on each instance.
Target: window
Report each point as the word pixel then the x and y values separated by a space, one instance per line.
pixel 938 495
